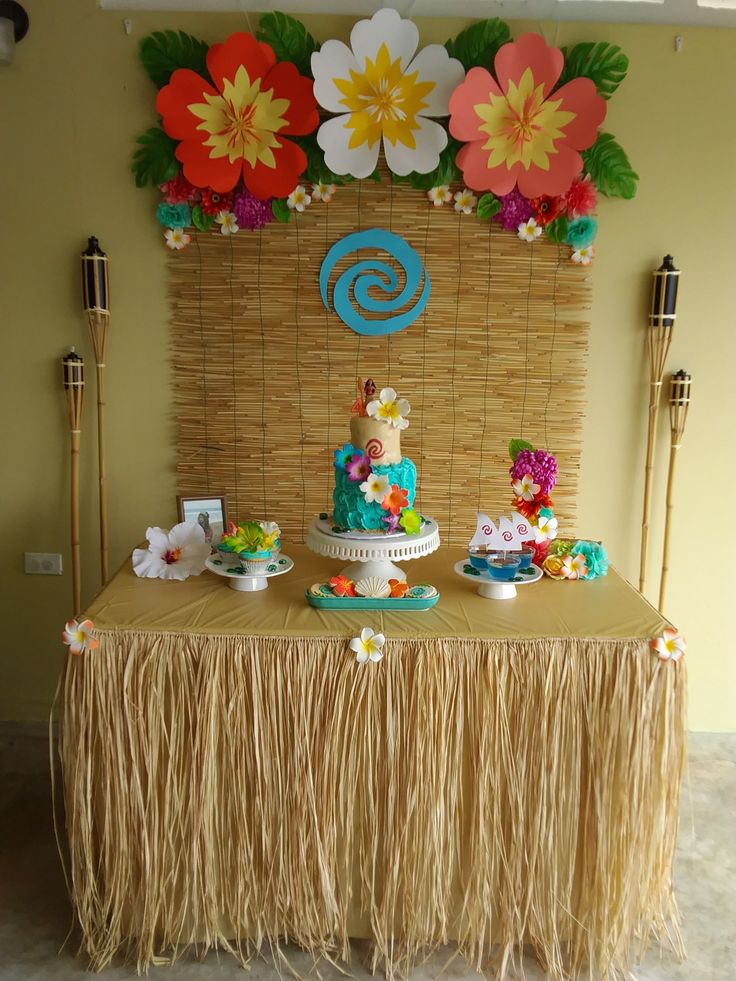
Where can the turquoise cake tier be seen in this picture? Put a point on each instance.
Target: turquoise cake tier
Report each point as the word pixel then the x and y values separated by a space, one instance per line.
pixel 350 508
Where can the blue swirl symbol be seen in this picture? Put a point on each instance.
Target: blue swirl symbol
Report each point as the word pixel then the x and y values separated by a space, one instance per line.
pixel 372 273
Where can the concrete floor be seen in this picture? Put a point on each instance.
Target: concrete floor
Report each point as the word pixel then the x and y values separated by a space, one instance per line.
pixel 35 915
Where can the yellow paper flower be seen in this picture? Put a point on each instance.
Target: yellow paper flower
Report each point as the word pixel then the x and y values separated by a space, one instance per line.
pixel 553 566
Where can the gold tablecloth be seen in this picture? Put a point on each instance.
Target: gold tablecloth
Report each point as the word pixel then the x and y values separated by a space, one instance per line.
pixel 508 773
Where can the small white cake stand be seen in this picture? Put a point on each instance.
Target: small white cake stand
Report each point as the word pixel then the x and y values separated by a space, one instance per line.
pixel 249 582
pixel 493 588
pixel 372 555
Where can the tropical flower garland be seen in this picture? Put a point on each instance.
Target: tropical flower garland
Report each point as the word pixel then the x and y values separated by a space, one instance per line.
pixel 241 140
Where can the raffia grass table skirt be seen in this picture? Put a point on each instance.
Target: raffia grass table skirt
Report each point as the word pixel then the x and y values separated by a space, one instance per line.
pixel 508 774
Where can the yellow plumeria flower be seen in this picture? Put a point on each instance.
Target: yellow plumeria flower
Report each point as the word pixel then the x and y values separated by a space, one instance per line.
pixel 323 192
pixel 584 257
pixel 176 238
pixel 368 647
pixel 529 230
pixel 465 201
pixel 298 200
pixel 390 409
pixel 227 222
pixel 440 195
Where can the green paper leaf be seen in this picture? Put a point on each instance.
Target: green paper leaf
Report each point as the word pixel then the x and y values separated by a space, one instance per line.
pixel 281 210
pixel 164 51
pixel 605 64
pixel 154 161
pixel 556 231
pixel 317 170
pixel 609 168
pixel 446 171
pixel 488 206
pixel 289 39
pixel 201 219
pixel 477 45
pixel 517 445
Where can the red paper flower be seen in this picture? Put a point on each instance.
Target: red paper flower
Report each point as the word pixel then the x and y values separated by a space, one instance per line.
pixel 396 500
pixel 516 130
pixel 342 586
pixel 212 203
pixel 179 191
pixel 541 550
pixel 530 509
pixel 237 126
pixel 546 209
pixel 581 198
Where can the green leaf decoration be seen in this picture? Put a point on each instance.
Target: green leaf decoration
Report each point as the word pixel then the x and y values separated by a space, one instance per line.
pixel 201 220
pixel 317 170
pixel 477 45
pixel 290 40
pixel 445 173
pixel 605 64
pixel 154 161
pixel 517 445
pixel 488 206
pixel 556 231
pixel 281 210
pixel 164 51
pixel 609 168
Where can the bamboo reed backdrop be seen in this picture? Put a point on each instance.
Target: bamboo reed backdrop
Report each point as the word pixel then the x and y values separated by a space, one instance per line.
pixel 265 375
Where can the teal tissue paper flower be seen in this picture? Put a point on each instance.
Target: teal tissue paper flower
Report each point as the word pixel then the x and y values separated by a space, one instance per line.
pixel 596 558
pixel 174 215
pixel 581 232
pixel 343 454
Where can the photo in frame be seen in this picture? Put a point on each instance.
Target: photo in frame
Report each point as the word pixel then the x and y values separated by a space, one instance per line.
pixel 209 511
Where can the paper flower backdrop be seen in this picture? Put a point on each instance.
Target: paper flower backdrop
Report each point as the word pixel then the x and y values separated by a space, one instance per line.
pixel 239 125
pixel 385 95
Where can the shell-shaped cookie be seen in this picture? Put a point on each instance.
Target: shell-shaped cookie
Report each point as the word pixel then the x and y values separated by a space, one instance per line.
pixel 373 588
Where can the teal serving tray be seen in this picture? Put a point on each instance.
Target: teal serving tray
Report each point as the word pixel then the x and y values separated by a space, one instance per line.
pixel 421 597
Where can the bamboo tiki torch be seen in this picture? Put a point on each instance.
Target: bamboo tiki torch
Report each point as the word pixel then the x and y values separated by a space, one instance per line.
pixel 95 301
pixel 73 367
pixel 679 405
pixel 659 337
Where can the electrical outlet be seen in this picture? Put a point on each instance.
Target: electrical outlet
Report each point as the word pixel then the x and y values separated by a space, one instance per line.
pixel 42 563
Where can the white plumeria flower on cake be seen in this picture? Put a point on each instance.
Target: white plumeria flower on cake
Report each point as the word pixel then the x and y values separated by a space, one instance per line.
pixel 298 200
pixel 546 528
pixel 465 201
pixel 323 192
pixel 175 554
pixel 440 195
pixel 384 95
pixel 78 637
pixel 526 488
pixel 390 409
pixel 375 488
pixel 529 230
pixel 368 647
pixel 176 238
pixel 584 257
pixel 228 222
pixel 671 646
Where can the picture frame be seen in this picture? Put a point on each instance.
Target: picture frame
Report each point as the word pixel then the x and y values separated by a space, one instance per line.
pixel 208 510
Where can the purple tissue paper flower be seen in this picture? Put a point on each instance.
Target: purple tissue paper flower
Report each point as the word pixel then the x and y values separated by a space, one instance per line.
pixel 515 209
pixel 541 465
pixel 251 212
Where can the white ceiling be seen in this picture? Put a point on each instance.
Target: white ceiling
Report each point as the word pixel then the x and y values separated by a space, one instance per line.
pixel 706 13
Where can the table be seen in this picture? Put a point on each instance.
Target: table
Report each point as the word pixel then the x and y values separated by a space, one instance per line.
pixel 508 773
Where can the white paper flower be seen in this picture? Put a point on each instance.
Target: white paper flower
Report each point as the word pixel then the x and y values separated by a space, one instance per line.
pixel 584 257
pixel 228 222
pixel 177 238
pixel 298 200
pixel 465 201
pixel 384 95
pixel 78 637
pixel 526 488
pixel 390 409
pixel 574 567
pixel 529 230
pixel 367 647
pixel 271 534
pixel 671 646
pixel 323 192
pixel 440 195
pixel 375 488
pixel 545 529
pixel 175 554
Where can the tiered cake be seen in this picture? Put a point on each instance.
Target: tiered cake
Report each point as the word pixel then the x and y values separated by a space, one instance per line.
pixel 375 486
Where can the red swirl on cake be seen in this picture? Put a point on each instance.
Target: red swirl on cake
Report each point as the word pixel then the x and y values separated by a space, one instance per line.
pixel 374 449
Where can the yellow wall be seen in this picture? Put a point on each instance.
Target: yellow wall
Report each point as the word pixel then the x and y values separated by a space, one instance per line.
pixel 70 108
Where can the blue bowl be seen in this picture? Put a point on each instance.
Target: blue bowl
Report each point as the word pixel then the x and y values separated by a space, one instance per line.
pixel 503 569
pixel 527 556
pixel 478 557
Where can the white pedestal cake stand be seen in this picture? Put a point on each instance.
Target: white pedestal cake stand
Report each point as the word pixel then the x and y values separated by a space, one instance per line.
pixel 372 555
